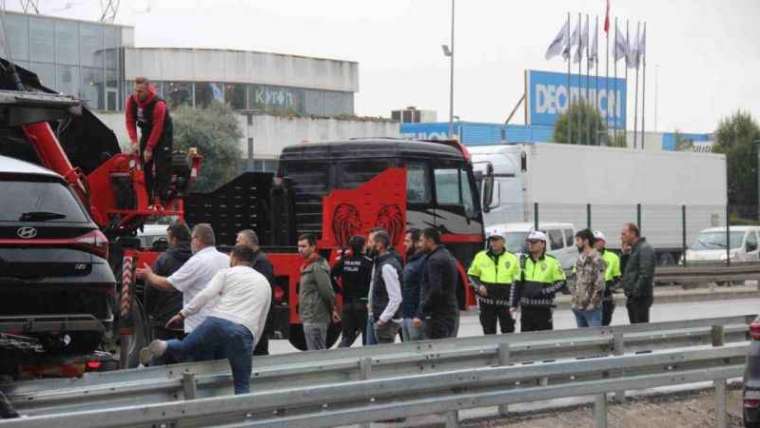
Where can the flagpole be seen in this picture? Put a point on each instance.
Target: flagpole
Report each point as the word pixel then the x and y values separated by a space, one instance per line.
pixel 625 66
pixel 614 96
pixel 643 86
pixel 580 73
pixel 636 95
pixel 569 98
pixel 607 81
pixel 588 77
pixel 598 129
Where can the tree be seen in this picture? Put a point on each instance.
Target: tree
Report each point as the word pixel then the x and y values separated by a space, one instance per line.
pixel 735 138
pixel 214 131
pixel 592 130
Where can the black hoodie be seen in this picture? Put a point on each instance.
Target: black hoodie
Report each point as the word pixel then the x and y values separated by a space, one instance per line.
pixel 161 305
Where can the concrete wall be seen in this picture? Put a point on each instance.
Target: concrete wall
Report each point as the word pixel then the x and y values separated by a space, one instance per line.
pixel 271 133
pixel 214 65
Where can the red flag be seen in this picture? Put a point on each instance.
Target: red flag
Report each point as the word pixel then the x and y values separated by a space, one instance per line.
pixel 607 19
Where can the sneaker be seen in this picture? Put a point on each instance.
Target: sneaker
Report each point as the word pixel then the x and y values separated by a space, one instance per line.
pixel 154 350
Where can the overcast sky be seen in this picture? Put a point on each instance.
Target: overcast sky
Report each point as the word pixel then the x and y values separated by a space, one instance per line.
pixel 706 51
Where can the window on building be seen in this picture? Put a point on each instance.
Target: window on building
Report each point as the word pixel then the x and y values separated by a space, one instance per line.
pixel 178 93
pixel 91 45
pixel 66 42
pixel 234 95
pixel 206 92
pixel 91 87
pixel 112 42
pixel 67 79
pixel 41 39
pixel 17 27
pixel 45 72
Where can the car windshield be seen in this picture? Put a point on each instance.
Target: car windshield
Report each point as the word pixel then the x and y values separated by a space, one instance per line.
pixel 33 201
pixel 516 242
pixel 717 240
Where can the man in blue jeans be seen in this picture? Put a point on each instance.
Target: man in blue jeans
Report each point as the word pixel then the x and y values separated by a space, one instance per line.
pixel 234 322
pixel 588 290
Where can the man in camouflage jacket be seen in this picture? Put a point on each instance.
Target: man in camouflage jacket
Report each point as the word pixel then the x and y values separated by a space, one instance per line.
pixel 588 291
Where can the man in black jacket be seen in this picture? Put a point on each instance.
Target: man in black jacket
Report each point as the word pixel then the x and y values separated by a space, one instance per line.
pixel 352 272
pixel 638 275
pixel 438 298
pixel 161 305
pixel 262 265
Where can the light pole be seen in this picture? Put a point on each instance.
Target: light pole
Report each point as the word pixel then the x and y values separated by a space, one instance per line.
pixel 449 52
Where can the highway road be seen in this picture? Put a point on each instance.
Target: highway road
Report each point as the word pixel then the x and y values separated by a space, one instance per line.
pixel 564 319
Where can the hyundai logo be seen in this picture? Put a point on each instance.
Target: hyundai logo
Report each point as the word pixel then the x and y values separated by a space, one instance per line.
pixel 26 232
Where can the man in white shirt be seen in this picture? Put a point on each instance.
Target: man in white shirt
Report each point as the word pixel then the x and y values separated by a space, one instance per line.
pixel 385 294
pixel 194 275
pixel 233 325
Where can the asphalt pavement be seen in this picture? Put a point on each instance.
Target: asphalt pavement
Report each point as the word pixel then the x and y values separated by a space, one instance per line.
pixel 564 318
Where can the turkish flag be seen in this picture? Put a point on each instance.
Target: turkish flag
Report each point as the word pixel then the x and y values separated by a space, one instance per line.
pixel 607 19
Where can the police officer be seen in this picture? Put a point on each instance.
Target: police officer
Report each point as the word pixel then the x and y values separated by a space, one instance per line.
pixel 353 272
pixel 492 274
pixel 541 276
pixel 611 276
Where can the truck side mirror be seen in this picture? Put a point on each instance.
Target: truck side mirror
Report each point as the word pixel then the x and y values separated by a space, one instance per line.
pixel 488 181
pixel 523 161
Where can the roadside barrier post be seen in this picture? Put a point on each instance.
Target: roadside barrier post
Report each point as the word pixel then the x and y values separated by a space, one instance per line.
pixel 503 361
pixel 618 349
pixel 600 411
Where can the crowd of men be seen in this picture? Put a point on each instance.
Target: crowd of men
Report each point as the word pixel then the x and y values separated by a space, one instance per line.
pixel 224 302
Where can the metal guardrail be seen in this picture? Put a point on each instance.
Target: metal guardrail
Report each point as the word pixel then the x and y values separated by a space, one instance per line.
pixel 404 396
pixel 708 273
pixel 208 379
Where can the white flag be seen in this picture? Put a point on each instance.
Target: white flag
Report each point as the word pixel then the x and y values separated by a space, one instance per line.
pixel 573 42
pixel 557 45
pixel 583 43
pixel 634 50
pixel 621 44
pixel 593 54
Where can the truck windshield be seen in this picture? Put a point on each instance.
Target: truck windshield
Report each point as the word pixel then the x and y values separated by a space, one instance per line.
pixel 716 240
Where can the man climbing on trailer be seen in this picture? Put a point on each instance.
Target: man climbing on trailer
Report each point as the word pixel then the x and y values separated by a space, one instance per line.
pixel 149 112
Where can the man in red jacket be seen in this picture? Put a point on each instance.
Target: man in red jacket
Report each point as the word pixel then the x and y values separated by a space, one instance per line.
pixel 147 111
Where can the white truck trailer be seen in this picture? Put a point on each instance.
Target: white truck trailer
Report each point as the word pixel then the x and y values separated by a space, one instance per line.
pixel 619 186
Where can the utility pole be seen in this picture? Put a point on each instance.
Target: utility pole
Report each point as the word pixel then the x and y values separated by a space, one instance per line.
pixel 450 53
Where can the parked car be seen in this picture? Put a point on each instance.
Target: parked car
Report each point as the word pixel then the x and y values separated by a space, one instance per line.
pixel 55 280
pixel 561 239
pixel 710 245
pixel 751 381
pixel 153 236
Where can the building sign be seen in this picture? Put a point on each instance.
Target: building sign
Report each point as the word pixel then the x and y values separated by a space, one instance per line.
pixel 427 131
pixel 548 96
pixel 270 98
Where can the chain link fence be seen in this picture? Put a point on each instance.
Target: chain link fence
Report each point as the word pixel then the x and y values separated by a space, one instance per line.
pixel 681 234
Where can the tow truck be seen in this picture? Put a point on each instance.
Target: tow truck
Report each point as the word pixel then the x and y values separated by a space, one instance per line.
pixel 334 190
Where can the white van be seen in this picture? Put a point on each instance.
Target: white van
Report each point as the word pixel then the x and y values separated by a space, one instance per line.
pixel 561 239
pixel 710 245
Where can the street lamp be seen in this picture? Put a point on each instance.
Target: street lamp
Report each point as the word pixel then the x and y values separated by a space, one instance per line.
pixel 448 51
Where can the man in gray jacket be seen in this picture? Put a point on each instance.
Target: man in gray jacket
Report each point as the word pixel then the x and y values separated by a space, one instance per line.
pixel 638 277
pixel 316 298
